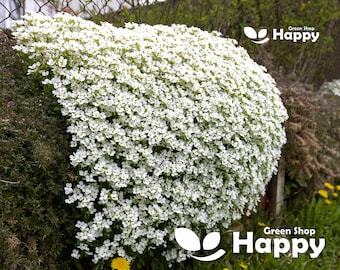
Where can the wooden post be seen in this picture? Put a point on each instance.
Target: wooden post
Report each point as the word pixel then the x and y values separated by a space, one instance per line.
pixel 277 189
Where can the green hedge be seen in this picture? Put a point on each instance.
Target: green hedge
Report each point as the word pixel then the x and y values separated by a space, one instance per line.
pixel 36 226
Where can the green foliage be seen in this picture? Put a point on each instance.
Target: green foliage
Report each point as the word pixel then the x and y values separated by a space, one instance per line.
pixel 35 223
pixel 208 15
pixel 304 59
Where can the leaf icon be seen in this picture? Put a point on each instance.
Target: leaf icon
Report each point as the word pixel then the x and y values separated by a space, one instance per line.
pixel 187 239
pixel 262 33
pixel 211 241
pixel 250 32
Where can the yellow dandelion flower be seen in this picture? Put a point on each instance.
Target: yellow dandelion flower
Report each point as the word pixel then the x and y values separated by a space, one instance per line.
pixel 261 224
pixel 120 264
pixel 335 195
pixel 243 265
pixel 328 201
pixel 323 193
pixel 338 187
pixel 226 268
pixel 328 185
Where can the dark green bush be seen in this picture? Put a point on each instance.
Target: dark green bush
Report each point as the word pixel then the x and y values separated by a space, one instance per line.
pixel 36 226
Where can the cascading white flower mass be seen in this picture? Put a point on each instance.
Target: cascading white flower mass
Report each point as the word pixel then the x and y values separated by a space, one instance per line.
pixel 172 127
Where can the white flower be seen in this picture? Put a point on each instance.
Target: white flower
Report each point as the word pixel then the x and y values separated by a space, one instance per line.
pixel 332 87
pixel 75 254
pixel 172 126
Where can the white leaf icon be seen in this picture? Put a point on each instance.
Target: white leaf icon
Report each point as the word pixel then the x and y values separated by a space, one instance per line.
pixel 262 33
pixel 250 32
pixel 211 241
pixel 187 239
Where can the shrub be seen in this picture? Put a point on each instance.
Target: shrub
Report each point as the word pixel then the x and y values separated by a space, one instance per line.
pixel 328 133
pixel 172 126
pixel 310 155
pixel 35 224
pixel 301 150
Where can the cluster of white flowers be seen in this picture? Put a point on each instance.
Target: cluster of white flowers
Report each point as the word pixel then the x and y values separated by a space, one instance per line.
pixel 332 87
pixel 172 127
